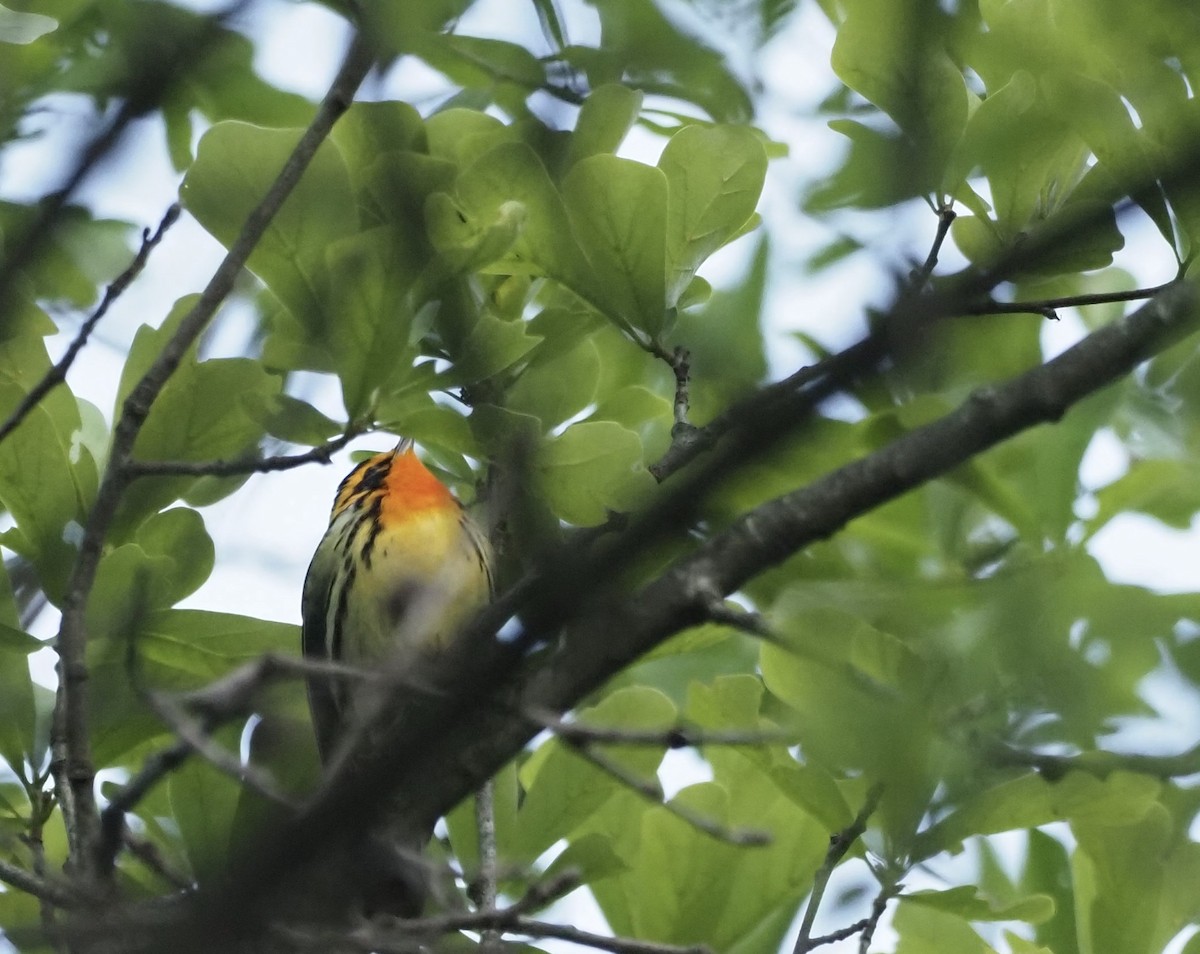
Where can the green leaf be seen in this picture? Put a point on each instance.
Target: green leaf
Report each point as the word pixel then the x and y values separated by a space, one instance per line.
pixel 16 27
pixel 591 469
pixel 203 801
pixel 967 903
pixel 177 650
pixel 557 389
pixel 647 414
pixel 1118 873
pixel 512 172
pixel 1031 800
pixel 208 410
pixel 372 345
pixel 685 887
pixel 179 536
pixel 235 165
pixel 368 130
pixel 642 45
pixel 892 54
pixel 618 211
pixel 296 421
pixel 492 346
pixel 462 136
pixel 1048 871
pixel 470 244
pixel 1164 489
pixel 481 62
pixel 714 176
pixel 18 716
pixel 924 930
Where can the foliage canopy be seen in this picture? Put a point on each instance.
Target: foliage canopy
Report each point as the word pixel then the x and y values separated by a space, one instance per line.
pixel 876 620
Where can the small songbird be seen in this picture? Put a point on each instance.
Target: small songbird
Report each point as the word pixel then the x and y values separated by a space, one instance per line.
pixel 400 570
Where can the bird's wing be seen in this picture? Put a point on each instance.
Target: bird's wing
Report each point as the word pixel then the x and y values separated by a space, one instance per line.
pixel 315 607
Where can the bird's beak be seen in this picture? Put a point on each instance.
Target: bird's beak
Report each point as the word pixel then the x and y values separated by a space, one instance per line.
pixel 405 445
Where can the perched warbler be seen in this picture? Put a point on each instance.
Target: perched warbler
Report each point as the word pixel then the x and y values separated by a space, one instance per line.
pixel 399 571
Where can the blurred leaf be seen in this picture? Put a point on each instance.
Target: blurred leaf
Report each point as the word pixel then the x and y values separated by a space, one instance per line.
pixel 18 717
pixel 1031 800
pixel 202 804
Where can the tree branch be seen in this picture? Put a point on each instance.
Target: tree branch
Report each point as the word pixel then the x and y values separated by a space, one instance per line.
pixel 236 468
pixel 44 890
pixel 58 373
pixel 74 773
pixel 1098 763
pixel 839 845
pixel 1048 306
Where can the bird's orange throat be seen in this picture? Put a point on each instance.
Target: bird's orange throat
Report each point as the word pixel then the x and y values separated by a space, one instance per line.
pixel 411 488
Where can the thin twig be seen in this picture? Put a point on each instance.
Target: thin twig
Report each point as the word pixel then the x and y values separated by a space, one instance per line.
pixel 878 906
pixel 676 737
pixel 617 945
pixel 920 277
pixel 1048 306
pixel 74 773
pixel 1098 763
pixel 726 614
pixel 485 823
pixel 41 807
pixel 244 465
pixel 743 837
pixel 839 845
pixel 840 934
pixel 58 373
pixel 195 734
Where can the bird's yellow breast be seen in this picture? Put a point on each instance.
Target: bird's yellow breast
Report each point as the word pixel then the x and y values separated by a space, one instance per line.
pixel 418 581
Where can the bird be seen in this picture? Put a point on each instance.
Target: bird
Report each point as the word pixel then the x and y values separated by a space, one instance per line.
pixel 400 570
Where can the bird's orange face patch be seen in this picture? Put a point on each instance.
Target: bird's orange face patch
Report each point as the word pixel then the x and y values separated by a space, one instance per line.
pixel 402 483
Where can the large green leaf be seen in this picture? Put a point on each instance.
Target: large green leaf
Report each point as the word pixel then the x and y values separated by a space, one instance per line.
pixel 714 178
pixel 235 165
pixel 618 211
pixel 593 468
